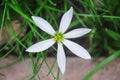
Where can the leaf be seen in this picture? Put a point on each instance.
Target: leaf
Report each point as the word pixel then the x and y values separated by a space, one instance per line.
pixel 113 34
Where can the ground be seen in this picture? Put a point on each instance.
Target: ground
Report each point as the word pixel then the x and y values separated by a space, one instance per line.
pixel 76 69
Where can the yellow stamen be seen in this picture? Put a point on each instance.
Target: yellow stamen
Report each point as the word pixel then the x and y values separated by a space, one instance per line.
pixel 58 37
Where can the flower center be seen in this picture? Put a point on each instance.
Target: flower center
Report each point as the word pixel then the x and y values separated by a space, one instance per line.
pixel 58 37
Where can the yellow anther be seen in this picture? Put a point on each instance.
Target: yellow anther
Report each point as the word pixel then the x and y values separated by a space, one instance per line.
pixel 58 37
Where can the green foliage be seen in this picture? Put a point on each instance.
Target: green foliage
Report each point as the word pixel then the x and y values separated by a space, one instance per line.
pixel 102 16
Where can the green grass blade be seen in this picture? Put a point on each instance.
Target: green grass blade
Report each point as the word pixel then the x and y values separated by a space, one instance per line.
pixel 113 34
pixel 102 64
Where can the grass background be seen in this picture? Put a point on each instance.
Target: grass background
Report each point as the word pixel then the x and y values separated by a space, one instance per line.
pixel 102 16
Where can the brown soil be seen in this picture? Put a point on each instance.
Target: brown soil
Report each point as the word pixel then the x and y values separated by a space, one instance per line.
pixel 76 69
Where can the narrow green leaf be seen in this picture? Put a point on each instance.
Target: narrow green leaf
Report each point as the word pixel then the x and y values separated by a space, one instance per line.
pixel 113 34
pixel 102 64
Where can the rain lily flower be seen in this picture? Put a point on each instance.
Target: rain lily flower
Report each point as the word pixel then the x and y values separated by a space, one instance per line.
pixel 61 38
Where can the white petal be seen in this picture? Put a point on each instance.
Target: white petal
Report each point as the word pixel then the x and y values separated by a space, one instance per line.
pixel 77 33
pixel 43 25
pixel 61 58
pixel 41 46
pixel 65 21
pixel 77 49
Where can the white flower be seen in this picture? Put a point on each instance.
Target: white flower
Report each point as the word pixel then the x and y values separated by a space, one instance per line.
pixel 61 38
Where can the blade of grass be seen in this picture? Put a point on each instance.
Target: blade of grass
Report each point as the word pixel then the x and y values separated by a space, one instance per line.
pixel 38 10
pixel 113 34
pixel 58 74
pixel 6 54
pixel 3 18
pixel 51 2
pixel 50 68
pixel 79 19
pixel 20 12
pixel 103 16
pixel 54 9
pixel 102 64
